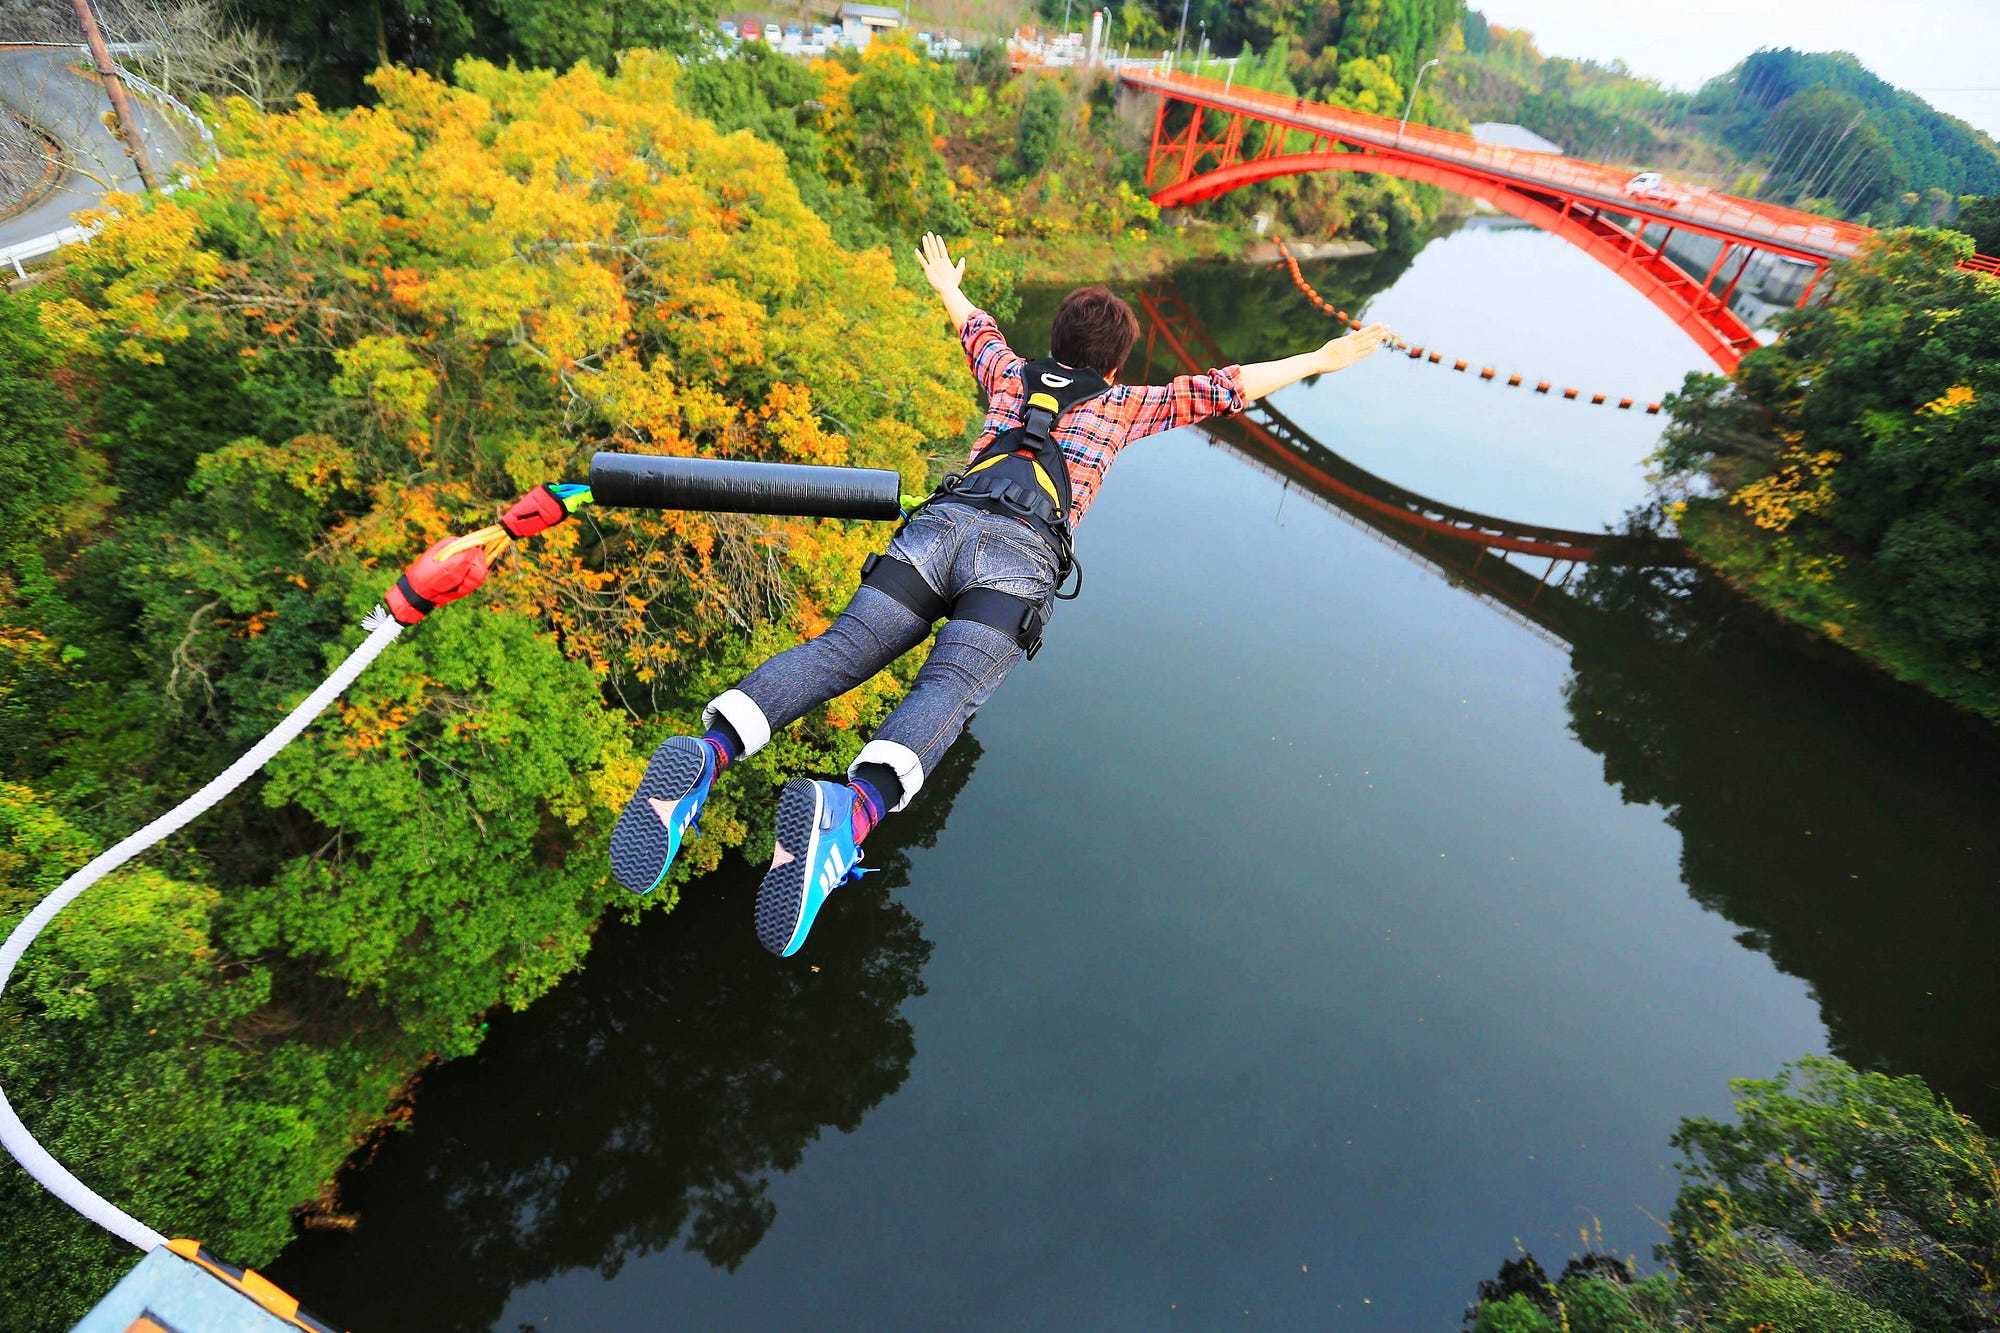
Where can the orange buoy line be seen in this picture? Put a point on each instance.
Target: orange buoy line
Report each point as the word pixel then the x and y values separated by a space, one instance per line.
pixel 1416 353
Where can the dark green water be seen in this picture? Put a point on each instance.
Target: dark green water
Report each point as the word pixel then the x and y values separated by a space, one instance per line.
pixel 1321 912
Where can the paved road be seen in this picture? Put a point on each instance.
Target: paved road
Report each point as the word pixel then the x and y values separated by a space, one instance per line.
pixel 42 85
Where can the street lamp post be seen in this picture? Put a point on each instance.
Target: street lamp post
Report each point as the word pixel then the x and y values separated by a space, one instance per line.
pixel 1180 37
pixel 1415 84
pixel 1201 49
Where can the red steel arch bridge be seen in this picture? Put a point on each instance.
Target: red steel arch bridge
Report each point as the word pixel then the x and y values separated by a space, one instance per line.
pixel 1204 155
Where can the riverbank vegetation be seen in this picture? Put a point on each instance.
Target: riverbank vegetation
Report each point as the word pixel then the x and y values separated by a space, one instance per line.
pixel 226 424
pixel 1837 1201
pixel 1853 467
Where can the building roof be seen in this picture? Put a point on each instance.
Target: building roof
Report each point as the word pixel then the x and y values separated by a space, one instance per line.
pixel 853 11
pixel 1503 134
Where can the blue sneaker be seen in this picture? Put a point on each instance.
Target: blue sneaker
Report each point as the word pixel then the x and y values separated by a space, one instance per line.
pixel 661 812
pixel 815 855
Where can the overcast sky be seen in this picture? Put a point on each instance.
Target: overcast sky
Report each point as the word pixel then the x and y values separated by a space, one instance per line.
pixel 1935 48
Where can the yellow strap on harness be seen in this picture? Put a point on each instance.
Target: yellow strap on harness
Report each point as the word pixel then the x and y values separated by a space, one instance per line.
pixel 1042 477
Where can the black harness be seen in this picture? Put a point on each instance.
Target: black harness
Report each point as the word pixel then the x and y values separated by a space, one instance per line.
pixel 1021 474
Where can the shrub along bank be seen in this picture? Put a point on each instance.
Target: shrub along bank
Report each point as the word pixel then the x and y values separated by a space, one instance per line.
pixel 1837 1202
pixel 1853 467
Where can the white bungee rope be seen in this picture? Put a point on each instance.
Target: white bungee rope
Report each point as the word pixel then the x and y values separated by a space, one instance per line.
pixel 427 582
pixel 14 1136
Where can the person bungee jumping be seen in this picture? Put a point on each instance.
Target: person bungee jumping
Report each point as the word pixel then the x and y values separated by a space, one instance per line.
pixel 987 554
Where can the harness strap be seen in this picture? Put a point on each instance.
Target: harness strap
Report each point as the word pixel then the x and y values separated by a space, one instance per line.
pixel 900 580
pixel 1021 619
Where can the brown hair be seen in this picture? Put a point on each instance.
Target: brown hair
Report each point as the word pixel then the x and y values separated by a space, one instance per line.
pixel 1093 328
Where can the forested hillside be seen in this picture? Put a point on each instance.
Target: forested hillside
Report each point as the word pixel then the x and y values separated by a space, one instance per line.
pixel 1831 133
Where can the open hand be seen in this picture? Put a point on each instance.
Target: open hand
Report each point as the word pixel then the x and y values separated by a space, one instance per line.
pixel 939 270
pixel 1344 351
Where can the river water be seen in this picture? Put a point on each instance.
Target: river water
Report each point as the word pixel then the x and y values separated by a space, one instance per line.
pixel 1324 914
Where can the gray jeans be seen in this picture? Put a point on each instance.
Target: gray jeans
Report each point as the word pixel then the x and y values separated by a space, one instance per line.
pixel 954 547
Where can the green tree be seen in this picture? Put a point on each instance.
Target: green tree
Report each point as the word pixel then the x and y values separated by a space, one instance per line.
pixel 884 126
pixel 1043 109
pixel 1865 444
pixel 1892 1188
pixel 557 35
pixel 1980 219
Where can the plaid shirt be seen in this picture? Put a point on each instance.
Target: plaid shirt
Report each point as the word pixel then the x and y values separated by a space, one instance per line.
pixel 1093 432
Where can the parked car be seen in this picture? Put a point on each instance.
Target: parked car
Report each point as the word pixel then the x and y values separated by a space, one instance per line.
pixel 751 32
pixel 729 30
pixel 1649 187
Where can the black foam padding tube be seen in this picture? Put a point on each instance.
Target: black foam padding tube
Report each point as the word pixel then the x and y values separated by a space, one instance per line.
pixel 650 481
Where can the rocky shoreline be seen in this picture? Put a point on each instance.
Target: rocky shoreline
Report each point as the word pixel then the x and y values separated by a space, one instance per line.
pixel 1266 251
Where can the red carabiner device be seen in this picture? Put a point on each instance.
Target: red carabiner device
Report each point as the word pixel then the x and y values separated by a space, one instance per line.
pixel 437 576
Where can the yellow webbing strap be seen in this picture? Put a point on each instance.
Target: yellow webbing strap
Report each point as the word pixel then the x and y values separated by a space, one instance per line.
pixel 1042 478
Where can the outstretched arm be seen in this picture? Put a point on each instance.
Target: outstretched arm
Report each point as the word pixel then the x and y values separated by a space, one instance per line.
pixel 944 277
pixel 1262 378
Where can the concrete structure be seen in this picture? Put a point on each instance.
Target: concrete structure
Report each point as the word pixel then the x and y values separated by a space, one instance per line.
pixel 875 18
pixel 171 1293
pixel 1506 134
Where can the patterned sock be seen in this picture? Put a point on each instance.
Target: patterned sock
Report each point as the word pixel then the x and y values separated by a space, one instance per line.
pixel 868 807
pixel 721 738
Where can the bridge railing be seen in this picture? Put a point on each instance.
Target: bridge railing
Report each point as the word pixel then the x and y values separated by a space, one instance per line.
pixel 1785 227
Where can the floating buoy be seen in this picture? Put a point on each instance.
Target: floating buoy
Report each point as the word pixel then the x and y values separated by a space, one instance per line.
pixel 1417 353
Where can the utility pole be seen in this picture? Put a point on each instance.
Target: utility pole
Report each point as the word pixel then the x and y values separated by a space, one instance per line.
pixel 121 106
pixel 1415 84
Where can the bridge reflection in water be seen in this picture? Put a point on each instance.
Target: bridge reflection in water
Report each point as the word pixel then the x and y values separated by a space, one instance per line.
pixel 1845 822
pixel 1522 570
